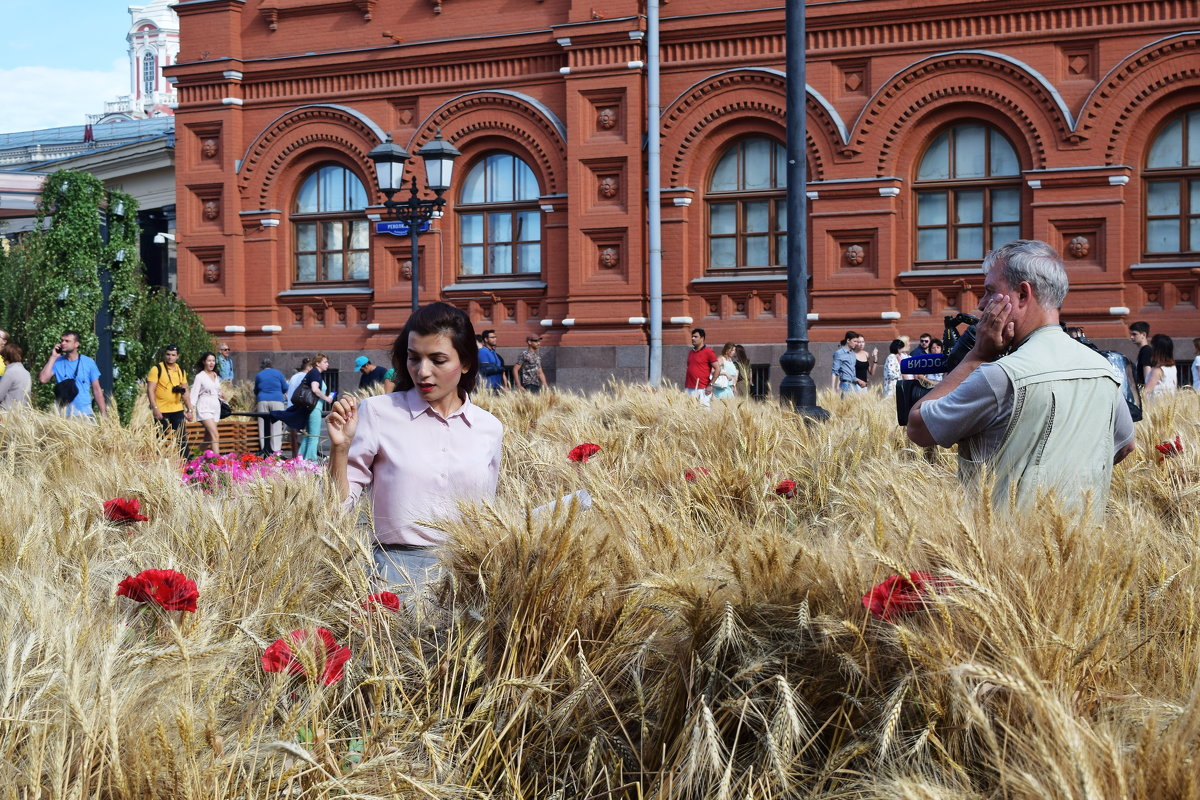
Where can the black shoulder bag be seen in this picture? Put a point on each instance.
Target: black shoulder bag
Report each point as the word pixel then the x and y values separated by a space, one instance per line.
pixel 303 398
pixel 66 391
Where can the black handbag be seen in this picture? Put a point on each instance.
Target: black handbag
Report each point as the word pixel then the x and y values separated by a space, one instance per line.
pixel 66 391
pixel 226 410
pixel 303 397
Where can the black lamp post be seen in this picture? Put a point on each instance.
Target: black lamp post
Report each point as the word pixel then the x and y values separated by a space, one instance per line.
pixel 389 158
pixel 104 346
pixel 797 386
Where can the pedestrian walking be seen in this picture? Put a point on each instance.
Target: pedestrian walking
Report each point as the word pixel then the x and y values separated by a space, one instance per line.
pixel 225 363
pixel 270 394
pixel 206 399
pixel 701 369
pixel 527 372
pixel 170 400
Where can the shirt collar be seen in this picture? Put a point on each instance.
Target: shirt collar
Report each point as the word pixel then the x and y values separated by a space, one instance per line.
pixel 417 406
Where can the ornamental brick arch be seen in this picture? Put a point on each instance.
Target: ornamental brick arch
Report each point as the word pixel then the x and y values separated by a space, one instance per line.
pixel 1132 100
pixel 703 157
pixel 912 138
pixel 506 121
pixel 705 117
pixel 347 136
pixel 1013 90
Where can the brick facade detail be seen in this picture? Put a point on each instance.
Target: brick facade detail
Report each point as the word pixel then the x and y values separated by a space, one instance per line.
pixel 277 87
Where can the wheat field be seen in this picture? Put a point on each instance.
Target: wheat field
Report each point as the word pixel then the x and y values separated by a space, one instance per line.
pixel 699 638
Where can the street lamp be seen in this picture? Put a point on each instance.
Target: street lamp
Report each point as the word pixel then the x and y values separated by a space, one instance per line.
pixel 797 386
pixel 413 212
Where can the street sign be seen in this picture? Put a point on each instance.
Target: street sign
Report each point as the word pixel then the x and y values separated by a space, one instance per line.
pixel 397 227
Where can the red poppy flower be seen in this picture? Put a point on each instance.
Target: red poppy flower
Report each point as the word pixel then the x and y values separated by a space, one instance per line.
pixel 582 452
pixel 381 600
pixel 172 590
pixel 124 510
pixel 786 489
pixel 278 657
pixel 691 475
pixel 1170 449
pixel 898 595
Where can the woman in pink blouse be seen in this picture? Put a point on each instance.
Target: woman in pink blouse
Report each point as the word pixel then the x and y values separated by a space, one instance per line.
pixel 421 449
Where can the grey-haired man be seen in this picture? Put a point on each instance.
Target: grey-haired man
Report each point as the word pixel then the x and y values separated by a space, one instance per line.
pixel 1029 406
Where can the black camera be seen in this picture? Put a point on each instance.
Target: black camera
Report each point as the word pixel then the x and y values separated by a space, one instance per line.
pixel 178 389
pixel 955 347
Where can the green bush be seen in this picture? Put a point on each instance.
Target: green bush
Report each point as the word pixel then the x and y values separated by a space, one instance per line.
pixel 167 319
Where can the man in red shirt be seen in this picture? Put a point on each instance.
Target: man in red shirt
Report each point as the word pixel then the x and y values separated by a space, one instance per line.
pixel 701 369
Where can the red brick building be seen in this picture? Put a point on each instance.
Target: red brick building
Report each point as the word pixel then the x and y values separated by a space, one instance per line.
pixel 936 130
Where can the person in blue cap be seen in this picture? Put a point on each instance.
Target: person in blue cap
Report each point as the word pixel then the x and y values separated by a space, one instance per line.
pixel 370 373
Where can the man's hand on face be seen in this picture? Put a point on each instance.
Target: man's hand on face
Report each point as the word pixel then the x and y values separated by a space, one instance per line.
pixel 995 331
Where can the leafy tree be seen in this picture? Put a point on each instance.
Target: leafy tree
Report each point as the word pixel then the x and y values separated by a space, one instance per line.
pixel 50 282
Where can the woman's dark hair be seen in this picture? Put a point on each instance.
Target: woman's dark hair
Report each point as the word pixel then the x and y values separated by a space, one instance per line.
pixel 12 353
pixel 896 346
pixel 1162 351
pixel 204 357
pixel 433 319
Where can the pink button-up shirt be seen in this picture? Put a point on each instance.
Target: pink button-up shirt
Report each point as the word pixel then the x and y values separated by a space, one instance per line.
pixel 417 465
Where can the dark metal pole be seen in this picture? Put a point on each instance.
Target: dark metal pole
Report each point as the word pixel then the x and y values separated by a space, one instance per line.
pixel 104 354
pixel 797 386
pixel 414 231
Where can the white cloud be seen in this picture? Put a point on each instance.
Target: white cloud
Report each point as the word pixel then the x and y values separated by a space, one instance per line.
pixel 51 97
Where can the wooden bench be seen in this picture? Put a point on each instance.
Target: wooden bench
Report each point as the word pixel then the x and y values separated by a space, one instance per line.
pixel 237 434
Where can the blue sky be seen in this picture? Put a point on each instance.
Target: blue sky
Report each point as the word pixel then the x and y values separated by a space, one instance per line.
pixel 60 60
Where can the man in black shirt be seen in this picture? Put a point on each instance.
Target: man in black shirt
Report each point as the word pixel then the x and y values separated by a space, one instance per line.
pixel 1139 334
pixel 371 373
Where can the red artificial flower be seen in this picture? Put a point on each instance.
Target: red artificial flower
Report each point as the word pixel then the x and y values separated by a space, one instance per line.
pixel 691 475
pixel 172 590
pixel 898 595
pixel 381 600
pixel 786 488
pixel 278 657
pixel 582 452
pixel 1170 449
pixel 124 510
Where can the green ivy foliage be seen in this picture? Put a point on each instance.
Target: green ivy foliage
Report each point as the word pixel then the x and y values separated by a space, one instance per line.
pixel 66 248
pixel 50 282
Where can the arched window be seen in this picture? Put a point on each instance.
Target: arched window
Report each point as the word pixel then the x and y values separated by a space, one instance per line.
pixel 1172 181
pixel 968 192
pixel 499 222
pixel 747 206
pixel 331 232
pixel 149 72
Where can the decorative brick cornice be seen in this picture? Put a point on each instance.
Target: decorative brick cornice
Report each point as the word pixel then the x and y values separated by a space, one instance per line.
pixel 274 10
pixel 509 116
pixel 834 29
pixel 331 80
pixel 298 131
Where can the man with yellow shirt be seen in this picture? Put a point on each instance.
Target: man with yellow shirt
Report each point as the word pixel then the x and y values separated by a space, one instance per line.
pixel 167 390
pixel 3 341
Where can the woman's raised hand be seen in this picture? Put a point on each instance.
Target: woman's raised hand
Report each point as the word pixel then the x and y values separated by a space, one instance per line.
pixel 343 421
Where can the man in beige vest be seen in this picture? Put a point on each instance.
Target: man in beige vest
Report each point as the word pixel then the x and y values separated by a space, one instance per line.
pixel 1029 408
